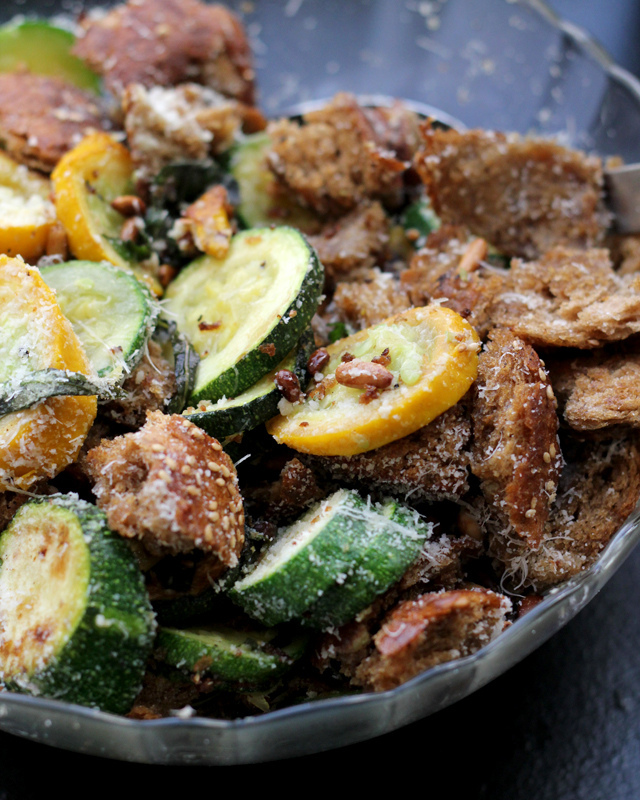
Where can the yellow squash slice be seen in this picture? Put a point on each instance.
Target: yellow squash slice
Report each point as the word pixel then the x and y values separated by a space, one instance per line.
pixel 26 213
pixel 38 442
pixel 431 353
pixel 86 181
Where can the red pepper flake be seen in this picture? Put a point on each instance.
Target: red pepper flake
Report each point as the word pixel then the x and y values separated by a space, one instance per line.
pixel 209 326
pixel 268 349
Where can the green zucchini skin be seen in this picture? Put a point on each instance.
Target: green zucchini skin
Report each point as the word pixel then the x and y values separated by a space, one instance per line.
pixel 112 296
pixel 179 351
pixel 392 544
pixel 284 322
pixel 104 658
pixel 258 403
pixel 239 659
pixel 45 383
pixel 274 595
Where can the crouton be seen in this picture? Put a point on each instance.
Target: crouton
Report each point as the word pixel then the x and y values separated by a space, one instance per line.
pixel 434 628
pixel 365 303
pixel 150 386
pixel 598 390
pixel 430 464
pixel 332 163
pixel 516 449
pixel 349 247
pixel 41 118
pixel 170 486
pixel 599 488
pixel 166 42
pixel 166 124
pixel 569 298
pixel 524 196
pixel 440 254
pixel 285 499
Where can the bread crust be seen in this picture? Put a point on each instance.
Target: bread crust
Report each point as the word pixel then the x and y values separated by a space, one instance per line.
pixel 516 449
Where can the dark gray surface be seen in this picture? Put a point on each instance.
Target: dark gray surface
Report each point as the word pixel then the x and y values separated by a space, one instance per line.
pixel 562 725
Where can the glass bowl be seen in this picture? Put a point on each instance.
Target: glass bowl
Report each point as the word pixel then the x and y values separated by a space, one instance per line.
pixel 498 64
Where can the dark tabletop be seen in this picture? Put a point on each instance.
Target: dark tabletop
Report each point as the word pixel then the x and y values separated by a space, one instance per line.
pixel 562 725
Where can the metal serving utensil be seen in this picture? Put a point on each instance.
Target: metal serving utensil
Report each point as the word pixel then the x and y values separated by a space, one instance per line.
pixel 623 197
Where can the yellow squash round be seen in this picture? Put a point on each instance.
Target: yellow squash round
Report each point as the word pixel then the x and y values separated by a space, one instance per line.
pixel 432 354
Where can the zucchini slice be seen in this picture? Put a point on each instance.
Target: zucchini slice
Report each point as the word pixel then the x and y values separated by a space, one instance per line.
pixel 255 405
pixel 395 537
pixel 177 349
pixel 258 204
pixel 431 353
pixel 309 557
pixel 112 313
pixel 77 623
pixel 244 313
pixel 45 383
pixel 246 659
pixel 46 50
pixel 333 562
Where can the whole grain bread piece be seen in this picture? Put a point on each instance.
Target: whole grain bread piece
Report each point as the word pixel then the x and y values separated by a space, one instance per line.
pixel 524 196
pixel 281 501
pixel 368 302
pixel 439 256
pixel 352 245
pixel 171 486
pixel 431 464
pixel 598 389
pixel 334 161
pixel 166 42
pixel 472 295
pixel 569 298
pixel 41 118
pixel 440 565
pixel 599 488
pixel 150 386
pixel 515 446
pixel 189 121
pixel 429 630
